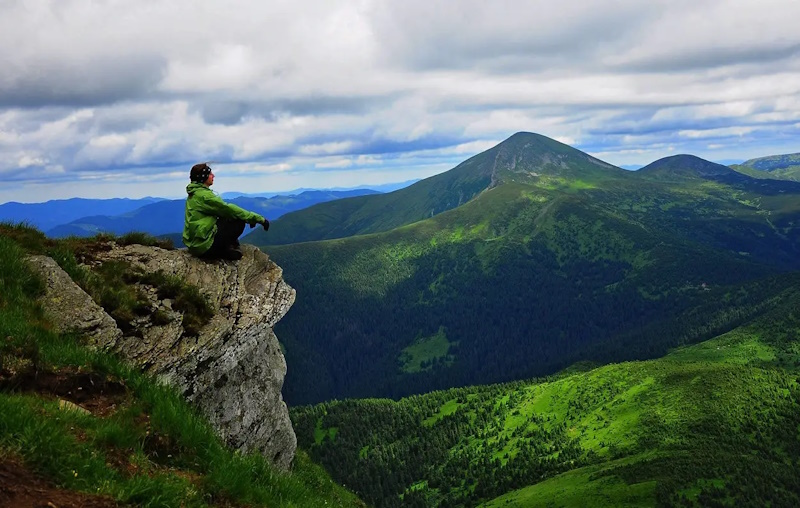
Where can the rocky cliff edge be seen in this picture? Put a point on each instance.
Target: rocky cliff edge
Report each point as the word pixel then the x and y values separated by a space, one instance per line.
pixel 232 370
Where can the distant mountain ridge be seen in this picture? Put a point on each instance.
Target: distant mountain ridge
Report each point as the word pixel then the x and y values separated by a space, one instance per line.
pixel 167 216
pixel 774 162
pixel 774 166
pixel 690 166
pixel 50 214
pixel 381 188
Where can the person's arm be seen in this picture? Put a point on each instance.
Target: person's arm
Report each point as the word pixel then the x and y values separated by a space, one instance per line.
pixel 212 204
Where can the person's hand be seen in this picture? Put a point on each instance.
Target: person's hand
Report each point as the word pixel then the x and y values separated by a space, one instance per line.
pixel 265 224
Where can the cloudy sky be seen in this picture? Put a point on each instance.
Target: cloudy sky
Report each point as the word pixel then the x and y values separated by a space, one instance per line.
pixel 118 98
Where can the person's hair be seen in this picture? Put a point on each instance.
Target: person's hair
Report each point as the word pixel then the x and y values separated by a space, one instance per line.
pixel 199 173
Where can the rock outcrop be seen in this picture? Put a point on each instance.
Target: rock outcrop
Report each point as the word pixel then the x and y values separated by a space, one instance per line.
pixel 233 370
pixel 70 308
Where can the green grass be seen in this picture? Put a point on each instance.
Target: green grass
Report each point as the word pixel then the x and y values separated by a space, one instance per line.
pixel 579 488
pixel 321 434
pixel 448 408
pixel 48 440
pixel 153 450
pixel 426 353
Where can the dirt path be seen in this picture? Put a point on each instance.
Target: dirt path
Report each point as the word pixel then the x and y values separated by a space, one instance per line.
pixel 20 488
pixel 93 392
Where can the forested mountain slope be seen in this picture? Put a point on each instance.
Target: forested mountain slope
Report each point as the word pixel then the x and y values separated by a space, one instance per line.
pixel 707 425
pixel 554 264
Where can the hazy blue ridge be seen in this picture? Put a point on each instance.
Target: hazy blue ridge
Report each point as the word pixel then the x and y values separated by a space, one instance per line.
pixel 386 187
pixel 344 193
pixel 47 215
pixel 166 216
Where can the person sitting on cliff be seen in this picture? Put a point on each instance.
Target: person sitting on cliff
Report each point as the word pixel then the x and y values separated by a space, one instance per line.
pixel 212 227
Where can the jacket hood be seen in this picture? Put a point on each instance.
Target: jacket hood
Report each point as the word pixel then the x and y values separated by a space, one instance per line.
pixel 194 187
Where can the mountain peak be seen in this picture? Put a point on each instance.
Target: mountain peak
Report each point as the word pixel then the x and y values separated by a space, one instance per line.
pixel 685 165
pixel 527 156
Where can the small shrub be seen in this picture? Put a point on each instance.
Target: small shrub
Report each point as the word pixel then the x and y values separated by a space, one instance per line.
pixel 166 286
pixel 25 237
pixel 160 318
pixel 187 299
pixel 111 285
pixel 84 249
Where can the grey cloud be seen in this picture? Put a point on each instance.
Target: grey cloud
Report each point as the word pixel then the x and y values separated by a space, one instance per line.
pixel 119 122
pixel 372 143
pixel 225 112
pixel 711 57
pixel 232 111
pixel 503 36
pixel 37 174
pixel 33 119
pixel 643 121
pixel 644 126
pixel 102 80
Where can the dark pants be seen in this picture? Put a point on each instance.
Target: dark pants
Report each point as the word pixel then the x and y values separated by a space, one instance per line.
pixel 227 237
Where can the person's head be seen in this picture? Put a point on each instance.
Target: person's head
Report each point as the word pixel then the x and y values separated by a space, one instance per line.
pixel 201 173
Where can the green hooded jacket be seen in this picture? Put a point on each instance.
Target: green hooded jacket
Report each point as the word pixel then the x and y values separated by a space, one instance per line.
pixel 203 208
